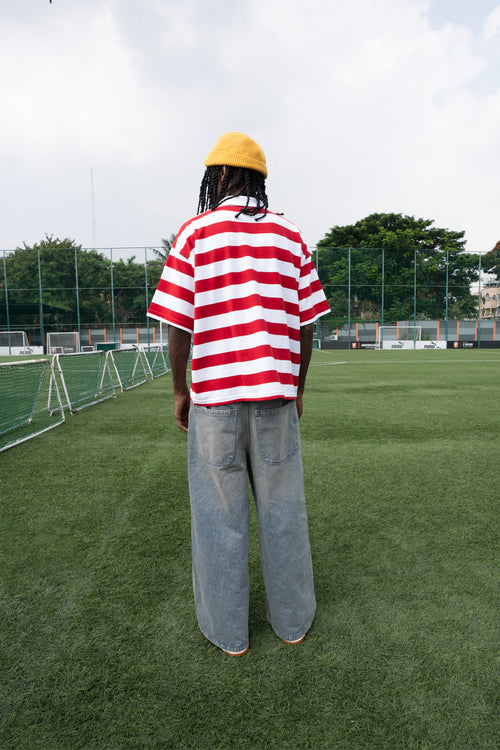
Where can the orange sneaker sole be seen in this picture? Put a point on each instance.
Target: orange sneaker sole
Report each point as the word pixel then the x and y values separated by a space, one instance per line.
pixel 294 643
pixel 236 653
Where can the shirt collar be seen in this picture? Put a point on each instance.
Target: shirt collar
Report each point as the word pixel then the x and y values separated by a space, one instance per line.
pixel 239 200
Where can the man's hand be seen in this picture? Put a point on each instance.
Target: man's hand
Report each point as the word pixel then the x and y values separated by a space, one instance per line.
pixel 181 410
pixel 300 405
pixel 179 343
pixel 306 345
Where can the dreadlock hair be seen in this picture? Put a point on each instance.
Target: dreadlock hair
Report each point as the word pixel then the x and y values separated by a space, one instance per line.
pixel 236 181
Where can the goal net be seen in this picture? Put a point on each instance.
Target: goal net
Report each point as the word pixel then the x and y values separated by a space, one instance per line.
pixel 29 401
pixel 66 342
pixel 85 377
pixel 156 358
pixel 129 367
pixel 13 342
pixel 398 337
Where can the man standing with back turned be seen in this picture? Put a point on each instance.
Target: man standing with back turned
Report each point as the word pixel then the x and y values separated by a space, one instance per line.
pixel 240 280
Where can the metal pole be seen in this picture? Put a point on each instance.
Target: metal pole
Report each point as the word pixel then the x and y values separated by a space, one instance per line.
pixel 349 302
pixel 479 307
pixel 446 302
pixel 77 298
pixel 112 293
pixel 146 279
pixel 6 299
pixel 41 299
pixel 414 295
pixel 316 323
pixel 383 289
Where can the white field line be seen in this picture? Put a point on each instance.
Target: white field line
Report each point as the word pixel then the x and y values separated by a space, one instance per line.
pixel 420 362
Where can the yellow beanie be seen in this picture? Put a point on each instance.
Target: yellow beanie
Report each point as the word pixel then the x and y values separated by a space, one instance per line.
pixel 237 150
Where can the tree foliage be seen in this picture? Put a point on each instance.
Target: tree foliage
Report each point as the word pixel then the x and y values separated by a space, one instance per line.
pixel 384 250
pixel 63 263
pixel 491 261
pixel 166 246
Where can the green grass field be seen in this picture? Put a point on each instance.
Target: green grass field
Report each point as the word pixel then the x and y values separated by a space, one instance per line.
pixel 99 643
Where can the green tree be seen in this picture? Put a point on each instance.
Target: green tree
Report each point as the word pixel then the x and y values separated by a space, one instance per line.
pixel 404 241
pixel 129 288
pixel 491 261
pixel 166 246
pixel 155 266
pixel 61 300
pixel 59 274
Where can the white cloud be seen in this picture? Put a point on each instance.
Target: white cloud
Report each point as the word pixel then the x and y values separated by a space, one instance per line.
pixel 360 107
pixel 491 27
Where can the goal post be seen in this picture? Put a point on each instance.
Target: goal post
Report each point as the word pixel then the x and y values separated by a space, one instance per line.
pixel 63 342
pixel 29 401
pixel 15 343
pixel 85 378
pixel 156 358
pixel 398 337
pixel 129 367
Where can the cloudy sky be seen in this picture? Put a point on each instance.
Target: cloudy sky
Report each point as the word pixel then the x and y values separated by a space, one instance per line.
pixel 361 107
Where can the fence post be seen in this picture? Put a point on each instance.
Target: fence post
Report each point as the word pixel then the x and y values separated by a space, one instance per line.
pixel 41 299
pixel 146 282
pixel 446 297
pixel 6 299
pixel 383 285
pixel 112 292
pixel 77 294
pixel 349 302
pixel 479 306
pixel 414 293
pixel 316 323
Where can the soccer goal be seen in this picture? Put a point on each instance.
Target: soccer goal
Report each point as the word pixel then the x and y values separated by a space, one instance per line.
pixel 63 342
pixel 29 401
pixel 398 337
pixel 14 343
pixel 85 377
pixel 129 367
pixel 156 358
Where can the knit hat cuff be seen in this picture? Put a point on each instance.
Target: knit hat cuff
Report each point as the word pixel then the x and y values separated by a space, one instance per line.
pixel 237 150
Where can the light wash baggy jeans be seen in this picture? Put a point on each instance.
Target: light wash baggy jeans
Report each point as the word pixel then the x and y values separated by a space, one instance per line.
pixel 228 445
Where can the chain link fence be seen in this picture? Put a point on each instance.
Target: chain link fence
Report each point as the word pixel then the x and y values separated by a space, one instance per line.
pixel 103 295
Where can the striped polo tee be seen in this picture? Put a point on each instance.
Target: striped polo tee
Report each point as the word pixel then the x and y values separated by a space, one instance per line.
pixel 243 288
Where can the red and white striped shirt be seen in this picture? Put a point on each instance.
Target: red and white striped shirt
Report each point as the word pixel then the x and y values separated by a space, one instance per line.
pixel 243 288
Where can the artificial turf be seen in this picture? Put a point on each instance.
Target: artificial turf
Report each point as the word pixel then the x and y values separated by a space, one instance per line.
pixel 99 642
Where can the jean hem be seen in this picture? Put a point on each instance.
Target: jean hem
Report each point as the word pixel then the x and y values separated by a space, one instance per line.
pixel 219 644
pixel 297 634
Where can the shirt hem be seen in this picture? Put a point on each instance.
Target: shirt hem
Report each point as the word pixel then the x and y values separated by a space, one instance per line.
pixel 243 400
